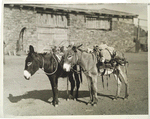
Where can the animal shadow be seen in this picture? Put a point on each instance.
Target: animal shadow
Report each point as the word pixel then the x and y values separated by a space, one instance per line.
pixel 45 95
pixel 112 97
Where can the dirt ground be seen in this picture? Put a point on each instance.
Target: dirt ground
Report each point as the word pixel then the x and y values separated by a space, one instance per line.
pixel 32 97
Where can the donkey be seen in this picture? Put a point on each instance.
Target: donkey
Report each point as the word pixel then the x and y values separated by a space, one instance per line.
pixel 52 68
pixel 87 61
pixel 114 66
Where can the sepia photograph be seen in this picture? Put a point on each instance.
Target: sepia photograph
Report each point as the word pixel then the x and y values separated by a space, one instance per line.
pixel 75 59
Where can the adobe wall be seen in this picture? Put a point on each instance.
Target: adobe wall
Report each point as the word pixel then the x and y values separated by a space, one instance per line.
pixel 120 37
pixel 14 20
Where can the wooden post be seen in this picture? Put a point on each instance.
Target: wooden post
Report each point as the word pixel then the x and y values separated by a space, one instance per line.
pixel 137 48
pixel 138 33
pixel 4 45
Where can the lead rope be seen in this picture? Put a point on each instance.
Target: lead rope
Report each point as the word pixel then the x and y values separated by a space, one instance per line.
pixel 55 69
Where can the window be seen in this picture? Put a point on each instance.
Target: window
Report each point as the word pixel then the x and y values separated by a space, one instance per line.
pixel 98 23
pixel 51 20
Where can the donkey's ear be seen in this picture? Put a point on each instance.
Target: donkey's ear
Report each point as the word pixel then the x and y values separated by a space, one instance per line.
pixel 79 46
pixel 74 48
pixel 31 49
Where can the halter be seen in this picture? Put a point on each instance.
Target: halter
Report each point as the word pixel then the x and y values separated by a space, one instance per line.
pixel 55 69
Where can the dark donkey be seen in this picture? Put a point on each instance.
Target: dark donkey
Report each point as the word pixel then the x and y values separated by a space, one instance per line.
pixel 87 61
pixel 53 69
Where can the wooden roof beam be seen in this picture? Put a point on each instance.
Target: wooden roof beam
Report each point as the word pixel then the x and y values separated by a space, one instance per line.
pixel 44 8
pixel 73 11
pixel 11 6
pixel 51 12
pixel 20 7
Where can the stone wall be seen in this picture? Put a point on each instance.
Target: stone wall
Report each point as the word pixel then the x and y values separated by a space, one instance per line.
pixel 14 20
pixel 120 37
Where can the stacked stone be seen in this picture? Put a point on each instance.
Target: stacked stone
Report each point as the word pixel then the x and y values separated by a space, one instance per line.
pixel 14 20
pixel 120 37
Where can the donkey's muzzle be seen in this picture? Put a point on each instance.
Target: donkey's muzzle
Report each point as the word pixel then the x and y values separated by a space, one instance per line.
pixel 67 67
pixel 27 75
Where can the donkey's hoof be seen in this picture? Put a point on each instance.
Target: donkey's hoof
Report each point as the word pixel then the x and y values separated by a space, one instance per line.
pixel 56 105
pixel 76 99
pixel 114 99
pixel 94 104
pixel 88 103
pixel 125 98
pixel 67 99
pixel 71 97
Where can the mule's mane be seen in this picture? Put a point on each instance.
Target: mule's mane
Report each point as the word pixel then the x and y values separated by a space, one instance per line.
pixel 41 54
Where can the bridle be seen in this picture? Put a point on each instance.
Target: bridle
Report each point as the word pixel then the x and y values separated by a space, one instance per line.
pixel 54 70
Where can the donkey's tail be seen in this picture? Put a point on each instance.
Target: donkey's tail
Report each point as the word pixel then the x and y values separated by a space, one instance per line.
pixel 80 75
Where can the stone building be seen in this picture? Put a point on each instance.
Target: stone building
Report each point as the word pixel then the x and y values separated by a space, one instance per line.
pixel 48 25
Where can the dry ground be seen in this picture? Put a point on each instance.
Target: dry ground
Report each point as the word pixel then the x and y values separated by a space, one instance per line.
pixel 31 97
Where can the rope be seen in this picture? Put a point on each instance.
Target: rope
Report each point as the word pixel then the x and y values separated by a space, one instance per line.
pixel 55 69
pixel 78 72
